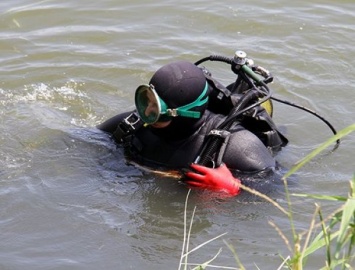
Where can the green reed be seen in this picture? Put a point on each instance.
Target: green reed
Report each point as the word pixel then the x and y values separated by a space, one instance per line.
pixel 335 233
pixel 337 230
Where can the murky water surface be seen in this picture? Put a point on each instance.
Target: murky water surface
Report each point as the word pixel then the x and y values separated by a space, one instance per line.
pixel 68 199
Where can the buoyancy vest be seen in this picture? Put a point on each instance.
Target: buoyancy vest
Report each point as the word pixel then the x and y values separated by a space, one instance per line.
pixel 258 121
pixel 253 141
pixel 244 151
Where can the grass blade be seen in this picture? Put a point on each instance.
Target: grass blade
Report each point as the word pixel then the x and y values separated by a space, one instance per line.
pixel 347 217
pixel 321 197
pixel 324 146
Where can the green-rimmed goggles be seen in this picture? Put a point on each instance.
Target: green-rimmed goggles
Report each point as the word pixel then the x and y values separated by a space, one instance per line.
pixel 151 108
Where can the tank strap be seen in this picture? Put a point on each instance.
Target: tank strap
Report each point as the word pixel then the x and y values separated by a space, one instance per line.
pixel 223 91
pixel 261 124
pixel 224 135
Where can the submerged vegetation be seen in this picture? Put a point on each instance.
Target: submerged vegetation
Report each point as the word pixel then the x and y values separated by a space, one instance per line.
pixel 335 234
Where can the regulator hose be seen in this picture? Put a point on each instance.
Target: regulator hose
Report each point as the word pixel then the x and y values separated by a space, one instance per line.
pixel 218 58
pixel 259 94
pixel 313 113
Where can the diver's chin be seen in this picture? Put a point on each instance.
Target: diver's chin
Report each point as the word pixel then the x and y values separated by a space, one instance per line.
pixel 160 124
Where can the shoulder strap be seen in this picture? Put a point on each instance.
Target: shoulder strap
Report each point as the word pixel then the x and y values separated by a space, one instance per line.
pixel 219 96
pixel 223 91
pixel 127 126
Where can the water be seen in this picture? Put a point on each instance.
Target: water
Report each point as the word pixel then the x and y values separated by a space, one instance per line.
pixel 68 199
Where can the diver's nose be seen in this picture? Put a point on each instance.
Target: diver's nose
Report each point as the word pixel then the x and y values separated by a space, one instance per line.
pixel 151 109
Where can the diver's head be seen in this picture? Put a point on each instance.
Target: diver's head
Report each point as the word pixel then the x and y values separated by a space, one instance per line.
pixel 178 89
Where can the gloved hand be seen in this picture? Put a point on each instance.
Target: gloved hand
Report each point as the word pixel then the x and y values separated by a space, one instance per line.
pixel 217 179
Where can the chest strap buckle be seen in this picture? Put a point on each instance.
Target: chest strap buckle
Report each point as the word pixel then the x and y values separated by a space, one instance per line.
pixel 127 126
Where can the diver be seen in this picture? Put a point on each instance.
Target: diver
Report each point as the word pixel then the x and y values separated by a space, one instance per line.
pixel 181 111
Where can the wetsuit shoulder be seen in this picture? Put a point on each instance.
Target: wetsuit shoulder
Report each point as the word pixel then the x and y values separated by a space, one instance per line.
pixel 245 152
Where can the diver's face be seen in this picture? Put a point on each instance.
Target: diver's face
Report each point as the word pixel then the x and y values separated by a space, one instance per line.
pixel 152 105
pixel 161 124
pixel 153 108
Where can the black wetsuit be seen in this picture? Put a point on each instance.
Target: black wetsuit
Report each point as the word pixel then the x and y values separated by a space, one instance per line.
pixel 178 145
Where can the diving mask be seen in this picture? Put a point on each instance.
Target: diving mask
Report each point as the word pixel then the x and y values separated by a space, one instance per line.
pixel 151 108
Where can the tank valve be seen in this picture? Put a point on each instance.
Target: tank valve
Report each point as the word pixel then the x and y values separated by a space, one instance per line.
pixel 240 58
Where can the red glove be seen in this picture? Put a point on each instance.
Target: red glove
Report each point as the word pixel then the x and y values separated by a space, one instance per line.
pixel 217 179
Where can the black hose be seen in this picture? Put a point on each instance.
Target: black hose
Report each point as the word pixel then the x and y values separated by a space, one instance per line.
pixel 218 58
pixel 311 112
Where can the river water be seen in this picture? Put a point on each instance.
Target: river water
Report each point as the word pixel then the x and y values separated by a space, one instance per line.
pixel 69 200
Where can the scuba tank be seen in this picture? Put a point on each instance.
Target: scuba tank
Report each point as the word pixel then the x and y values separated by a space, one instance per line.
pixel 248 102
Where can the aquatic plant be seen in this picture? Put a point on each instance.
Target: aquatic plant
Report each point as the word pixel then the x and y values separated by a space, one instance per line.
pixel 337 231
pixel 186 241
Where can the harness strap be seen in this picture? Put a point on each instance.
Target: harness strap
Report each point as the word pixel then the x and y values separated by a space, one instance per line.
pixel 127 126
pixel 224 135
pixel 223 91
pixel 213 151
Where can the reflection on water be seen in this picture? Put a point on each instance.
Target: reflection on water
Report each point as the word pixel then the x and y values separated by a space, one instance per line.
pixel 69 198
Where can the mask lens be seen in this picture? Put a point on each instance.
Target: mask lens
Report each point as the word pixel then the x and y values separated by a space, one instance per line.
pixel 147 104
